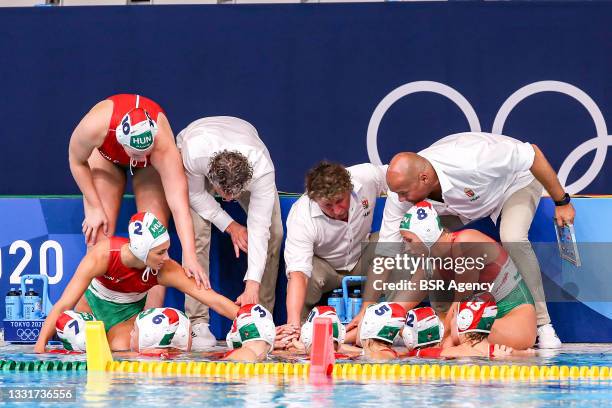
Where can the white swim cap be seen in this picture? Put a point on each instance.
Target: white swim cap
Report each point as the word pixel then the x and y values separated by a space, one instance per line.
pixel 233 339
pixel 70 326
pixel 338 329
pixel 146 232
pixel 157 327
pixel 423 327
pixel 422 220
pixel 253 322
pixel 382 321
pixel 136 133
pixel 476 314
pixel 182 335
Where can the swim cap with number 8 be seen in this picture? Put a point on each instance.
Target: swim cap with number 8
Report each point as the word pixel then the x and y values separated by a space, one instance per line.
pixel 423 221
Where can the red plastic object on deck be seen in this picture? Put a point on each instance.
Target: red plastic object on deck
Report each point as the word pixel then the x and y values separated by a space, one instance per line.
pixel 322 357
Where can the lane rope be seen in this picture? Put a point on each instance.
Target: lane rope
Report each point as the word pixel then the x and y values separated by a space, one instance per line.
pixel 340 371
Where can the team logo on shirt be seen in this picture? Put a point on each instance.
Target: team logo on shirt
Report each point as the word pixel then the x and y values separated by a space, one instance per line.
pixel 471 194
pixel 365 204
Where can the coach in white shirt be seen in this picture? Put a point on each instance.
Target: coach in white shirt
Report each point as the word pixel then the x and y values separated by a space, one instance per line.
pixel 225 155
pixel 476 175
pixel 325 231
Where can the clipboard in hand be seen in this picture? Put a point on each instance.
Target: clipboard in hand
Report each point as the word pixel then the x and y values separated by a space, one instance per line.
pixel 566 238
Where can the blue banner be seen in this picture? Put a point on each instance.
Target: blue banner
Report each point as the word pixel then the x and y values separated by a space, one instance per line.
pixel 347 82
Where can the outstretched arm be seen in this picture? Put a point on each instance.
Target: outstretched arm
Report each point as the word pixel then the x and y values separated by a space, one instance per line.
pixel 168 162
pixel 172 275
pixel 93 264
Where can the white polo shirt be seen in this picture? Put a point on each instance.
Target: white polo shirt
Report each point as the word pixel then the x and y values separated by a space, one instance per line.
pixel 310 232
pixel 198 142
pixel 478 172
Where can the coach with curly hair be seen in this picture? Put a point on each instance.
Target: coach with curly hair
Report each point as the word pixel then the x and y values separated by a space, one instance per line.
pixel 225 155
pixel 326 228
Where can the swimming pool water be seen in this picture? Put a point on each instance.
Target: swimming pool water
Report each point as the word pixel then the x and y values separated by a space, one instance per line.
pixel 143 391
pixel 140 390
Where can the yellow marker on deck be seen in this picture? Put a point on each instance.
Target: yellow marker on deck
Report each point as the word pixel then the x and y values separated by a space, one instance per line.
pixel 98 351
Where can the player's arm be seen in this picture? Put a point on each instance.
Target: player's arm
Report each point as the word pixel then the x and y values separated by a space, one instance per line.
pixel 241 354
pixel 168 162
pixel 457 351
pixel 155 297
pixel 93 264
pixel 88 135
pixel 172 275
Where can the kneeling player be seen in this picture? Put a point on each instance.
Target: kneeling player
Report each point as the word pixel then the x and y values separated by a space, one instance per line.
pixel 378 329
pixel 159 330
pixel 423 330
pixel 113 279
pixel 252 335
pixel 471 322
pixel 304 343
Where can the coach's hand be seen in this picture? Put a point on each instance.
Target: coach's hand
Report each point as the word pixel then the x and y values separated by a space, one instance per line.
pixel 239 237
pixel 250 296
pixel 565 214
pixel 285 335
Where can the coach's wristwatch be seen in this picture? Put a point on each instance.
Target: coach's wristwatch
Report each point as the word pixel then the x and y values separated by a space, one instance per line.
pixel 564 201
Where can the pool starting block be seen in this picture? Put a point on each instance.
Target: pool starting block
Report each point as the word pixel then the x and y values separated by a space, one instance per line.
pixel 322 357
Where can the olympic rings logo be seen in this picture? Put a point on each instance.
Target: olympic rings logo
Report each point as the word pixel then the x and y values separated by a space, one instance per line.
pixel 599 143
pixel 28 334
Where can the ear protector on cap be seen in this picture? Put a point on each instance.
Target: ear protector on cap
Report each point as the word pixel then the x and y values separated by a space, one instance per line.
pixel 382 321
pixel 253 322
pixel 423 221
pixel 338 329
pixel 136 133
pixel 156 327
pixel 477 314
pixel 146 232
pixel 423 328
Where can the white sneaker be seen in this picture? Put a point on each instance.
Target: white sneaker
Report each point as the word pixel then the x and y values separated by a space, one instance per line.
pixel 201 337
pixel 547 338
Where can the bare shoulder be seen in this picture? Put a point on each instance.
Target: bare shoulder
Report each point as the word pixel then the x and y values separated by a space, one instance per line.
pixel 472 235
pixel 165 137
pixel 94 126
pixel 99 253
pixel 168 274
pixel 472 242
